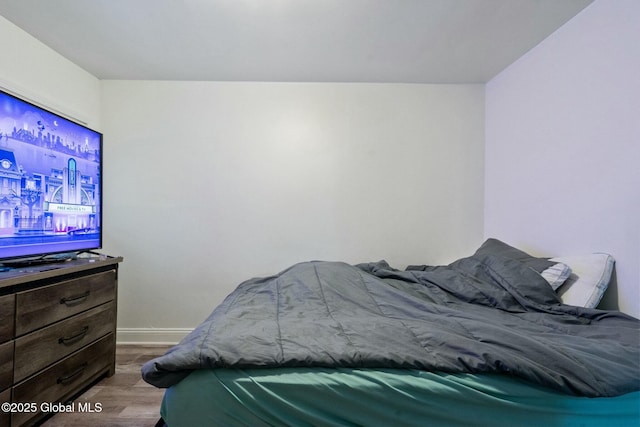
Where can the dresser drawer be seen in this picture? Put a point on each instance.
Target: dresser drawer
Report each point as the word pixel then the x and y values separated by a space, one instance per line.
pixel 6 365
pixel 62 380
pixel 39 349
pixel 43 306
pixel 7 311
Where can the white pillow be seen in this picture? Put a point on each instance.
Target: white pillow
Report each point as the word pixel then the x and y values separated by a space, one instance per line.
pixel 590 276
pixel 557 274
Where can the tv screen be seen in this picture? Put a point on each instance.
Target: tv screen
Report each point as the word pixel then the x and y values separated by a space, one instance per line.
pixel 50 182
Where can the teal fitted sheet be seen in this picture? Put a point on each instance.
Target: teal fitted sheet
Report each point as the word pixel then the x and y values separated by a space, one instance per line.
pixel 381 397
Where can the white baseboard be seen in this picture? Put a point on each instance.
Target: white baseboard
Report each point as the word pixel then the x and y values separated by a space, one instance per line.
pixel 151 335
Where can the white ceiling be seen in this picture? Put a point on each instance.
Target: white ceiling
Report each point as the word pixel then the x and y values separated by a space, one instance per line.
pixel 406 41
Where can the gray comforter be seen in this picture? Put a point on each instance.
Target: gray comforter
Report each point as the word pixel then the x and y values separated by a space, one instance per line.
pixel 491 312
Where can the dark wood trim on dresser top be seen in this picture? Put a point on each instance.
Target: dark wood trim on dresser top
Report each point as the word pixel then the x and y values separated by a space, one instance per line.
pixel 57 332
pixel 20 279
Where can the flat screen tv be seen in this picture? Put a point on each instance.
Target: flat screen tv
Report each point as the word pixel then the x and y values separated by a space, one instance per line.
pixel 50 183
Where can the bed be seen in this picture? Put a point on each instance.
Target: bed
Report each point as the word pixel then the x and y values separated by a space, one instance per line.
pixel 496 338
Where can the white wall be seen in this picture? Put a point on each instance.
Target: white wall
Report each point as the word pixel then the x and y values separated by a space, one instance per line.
pixel 33 71
pixel 209 184
pixel 563 145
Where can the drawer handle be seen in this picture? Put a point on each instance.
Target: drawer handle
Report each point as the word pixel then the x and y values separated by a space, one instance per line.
pixel 72 376
pixel 76 299
pixel 74 338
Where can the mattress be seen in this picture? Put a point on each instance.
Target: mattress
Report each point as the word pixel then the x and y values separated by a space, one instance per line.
pixel 381 397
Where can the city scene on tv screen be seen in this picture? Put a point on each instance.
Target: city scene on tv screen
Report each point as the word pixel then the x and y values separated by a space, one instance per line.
pixel 49 182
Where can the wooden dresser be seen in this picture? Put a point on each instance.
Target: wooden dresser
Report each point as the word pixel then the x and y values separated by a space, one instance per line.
pixel 57 334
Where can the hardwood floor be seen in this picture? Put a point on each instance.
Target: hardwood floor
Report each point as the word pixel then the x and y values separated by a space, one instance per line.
pixel 126 400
